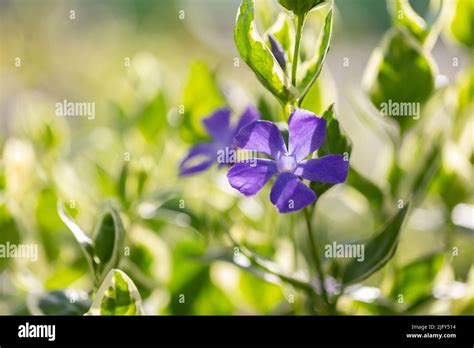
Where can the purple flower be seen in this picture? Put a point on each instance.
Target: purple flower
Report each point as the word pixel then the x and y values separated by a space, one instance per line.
pixel 307 133
pixel 277 51
pixel 203 155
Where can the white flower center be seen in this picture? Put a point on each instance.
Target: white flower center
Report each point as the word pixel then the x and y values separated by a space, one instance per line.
pixel 286 163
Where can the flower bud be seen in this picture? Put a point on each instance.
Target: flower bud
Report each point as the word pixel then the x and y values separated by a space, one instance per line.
pixel 300 7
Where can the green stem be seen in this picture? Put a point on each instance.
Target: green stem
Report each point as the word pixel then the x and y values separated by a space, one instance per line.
pixel 300 19
pixel 315 255
pixel 294 244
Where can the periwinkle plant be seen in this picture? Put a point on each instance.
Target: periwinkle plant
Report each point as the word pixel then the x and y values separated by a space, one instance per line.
pixel 317 150
pixel 141 248
pixel 307 132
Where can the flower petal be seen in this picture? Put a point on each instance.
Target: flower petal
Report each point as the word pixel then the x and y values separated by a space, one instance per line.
pixel 199 158
pixel 249 178
pixel 331 169
pixel 218 125
pixel 261 136
pixel 277 51
pixel 307 133
pixel 250 115
pixel 289 194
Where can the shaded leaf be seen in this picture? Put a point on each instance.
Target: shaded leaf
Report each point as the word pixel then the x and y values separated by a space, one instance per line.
pixel 48 222
pixel 191 286
pixel 371 191
pixel 395 177
pixel 122 185
pixel 378 250
pixel 398 60
pixel 60 302
pixel 427 171
pixel 9 233
pixel 300 7
pixel 320 187
pixel 451 188
pixel 336 143
pixel 109 242
pixel 266 109
pixel 415 280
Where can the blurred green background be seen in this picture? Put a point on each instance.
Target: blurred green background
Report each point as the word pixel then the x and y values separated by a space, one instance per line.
pixel 133 60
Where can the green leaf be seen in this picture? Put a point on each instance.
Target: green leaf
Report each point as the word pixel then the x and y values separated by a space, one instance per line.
pixel 258 57
pixel 396 176
pixel 320 95
pixel 415 280
pixel 189 278
pixel 378 250
pixel 109 242
pixel 314 100
pixel 3 179
pixel 465 98
pixel 261 294
pixel 86 243
pixel 336 143
pixel 60 302
pixel 427 171
pixel 104 180
pixel 142 177
pixel 371 191
pixel 311 69
pixel 152 120
pixel 377 307
pixel 403 15
pixel 451 188
pixel 400 59
pixel 267 109
pixel 201 97
pixel 300 7
pixel 122 185
pixel 117 295
pixel 336 140
pixel 462 24
pixel 9 233
pixel 48 222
